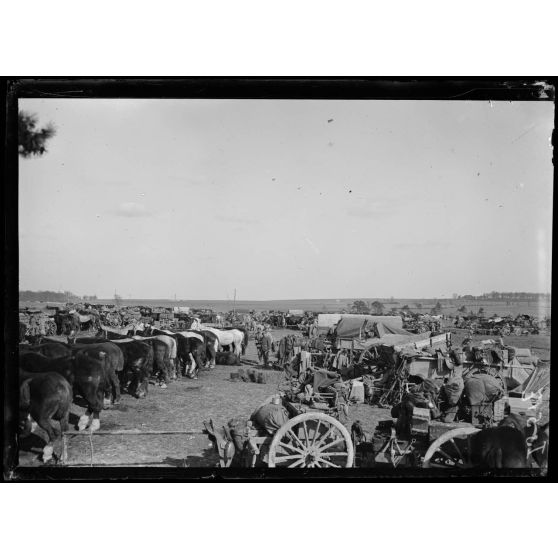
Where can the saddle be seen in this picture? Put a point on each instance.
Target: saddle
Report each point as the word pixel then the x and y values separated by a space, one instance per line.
pixel 223 440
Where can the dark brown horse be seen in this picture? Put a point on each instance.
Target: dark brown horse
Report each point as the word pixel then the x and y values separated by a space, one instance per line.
pixel 44 397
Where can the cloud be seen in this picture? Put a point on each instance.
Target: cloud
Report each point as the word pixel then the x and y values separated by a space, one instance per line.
pixel 132 209
pixel 238 220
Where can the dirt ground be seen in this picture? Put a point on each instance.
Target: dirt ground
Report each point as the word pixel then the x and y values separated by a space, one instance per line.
pixel 183 407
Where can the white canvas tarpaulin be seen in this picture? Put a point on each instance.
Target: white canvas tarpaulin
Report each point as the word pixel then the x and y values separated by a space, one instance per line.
pixel 181 309
pixel 519 372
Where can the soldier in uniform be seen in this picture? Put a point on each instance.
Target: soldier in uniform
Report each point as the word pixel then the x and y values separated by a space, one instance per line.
pixel 266 344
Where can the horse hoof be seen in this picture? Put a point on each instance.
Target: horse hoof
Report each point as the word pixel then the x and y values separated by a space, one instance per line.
pixel 95 425
pixel 83 422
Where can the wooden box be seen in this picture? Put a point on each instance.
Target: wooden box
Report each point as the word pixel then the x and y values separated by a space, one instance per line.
pixel 421 420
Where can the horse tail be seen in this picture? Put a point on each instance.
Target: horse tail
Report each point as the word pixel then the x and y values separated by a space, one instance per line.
pixel 245 342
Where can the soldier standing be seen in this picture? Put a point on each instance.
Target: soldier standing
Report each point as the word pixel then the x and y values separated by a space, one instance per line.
pixel 266 344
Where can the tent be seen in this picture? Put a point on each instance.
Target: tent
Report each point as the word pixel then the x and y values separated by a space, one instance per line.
pixel 296 312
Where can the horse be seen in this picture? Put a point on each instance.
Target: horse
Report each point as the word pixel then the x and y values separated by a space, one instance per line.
pixel 209 339
pixel 245 339
pixel 45 396
pixel 231 337
pixel 190 350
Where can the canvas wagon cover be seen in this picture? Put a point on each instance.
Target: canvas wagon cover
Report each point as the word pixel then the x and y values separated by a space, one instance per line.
pixel 329 320
pixel 296 312
pixel 357 326
pixel 350 326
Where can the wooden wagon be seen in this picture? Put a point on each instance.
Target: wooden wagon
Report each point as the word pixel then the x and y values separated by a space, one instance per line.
pixel 436 444
pixel 310 438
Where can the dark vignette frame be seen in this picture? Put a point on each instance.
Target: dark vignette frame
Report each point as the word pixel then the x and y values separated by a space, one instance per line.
pixel 12 89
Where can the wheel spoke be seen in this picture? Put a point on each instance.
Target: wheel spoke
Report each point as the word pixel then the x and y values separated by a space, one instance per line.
pixel 447 456
pixel 306 437
pixel 296 464
pixel 333 454
pixel 322 448
pixel 290 431
pixel 323 439
pixel 317 431
pixel 328 463
pixel 458 450
pixel 284 458
pixel 288 446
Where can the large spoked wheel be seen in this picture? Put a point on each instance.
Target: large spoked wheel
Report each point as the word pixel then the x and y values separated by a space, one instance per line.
pixel 451 449
pixel 311 440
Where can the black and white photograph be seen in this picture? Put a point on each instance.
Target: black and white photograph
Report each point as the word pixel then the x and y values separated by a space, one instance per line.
pixel 281 278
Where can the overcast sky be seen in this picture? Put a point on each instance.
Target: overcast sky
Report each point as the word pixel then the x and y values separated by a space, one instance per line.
pixel 288 199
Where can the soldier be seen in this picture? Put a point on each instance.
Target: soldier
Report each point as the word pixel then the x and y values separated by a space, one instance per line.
pixel 266 344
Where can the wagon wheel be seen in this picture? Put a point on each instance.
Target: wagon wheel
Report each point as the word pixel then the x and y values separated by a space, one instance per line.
pixel 451 449
pixel 311 440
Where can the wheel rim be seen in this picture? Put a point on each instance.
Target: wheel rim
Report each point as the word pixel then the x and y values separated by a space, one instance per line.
pixel 313 440
pixel 450 450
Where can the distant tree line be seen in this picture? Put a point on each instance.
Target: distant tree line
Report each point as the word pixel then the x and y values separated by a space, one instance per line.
pixel 495 295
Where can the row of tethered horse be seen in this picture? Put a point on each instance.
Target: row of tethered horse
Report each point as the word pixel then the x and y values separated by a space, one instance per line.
pixel 99 368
